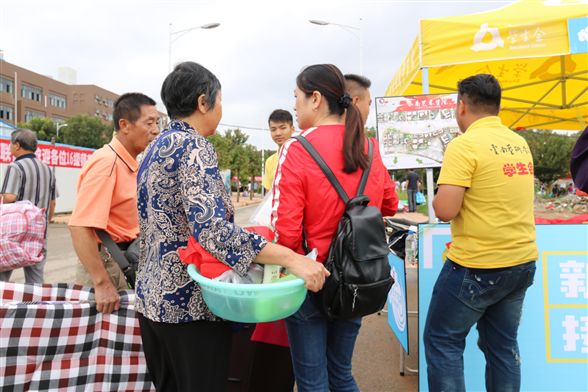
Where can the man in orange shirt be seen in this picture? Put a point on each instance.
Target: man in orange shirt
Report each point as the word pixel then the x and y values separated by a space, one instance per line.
pixel 107 198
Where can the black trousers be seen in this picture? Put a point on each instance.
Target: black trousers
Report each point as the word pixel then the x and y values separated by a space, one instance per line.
pixel 272 369
pixel 187 356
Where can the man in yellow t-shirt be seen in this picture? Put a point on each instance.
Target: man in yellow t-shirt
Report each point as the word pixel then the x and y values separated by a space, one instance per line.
pixel 281 127
pixel 486 191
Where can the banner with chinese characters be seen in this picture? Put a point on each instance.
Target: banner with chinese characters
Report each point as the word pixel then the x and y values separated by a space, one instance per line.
pixel 60 155
pixel 553 335
pixel 414 131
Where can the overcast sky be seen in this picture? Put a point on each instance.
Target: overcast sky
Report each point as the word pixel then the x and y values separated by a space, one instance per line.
pixel 256 52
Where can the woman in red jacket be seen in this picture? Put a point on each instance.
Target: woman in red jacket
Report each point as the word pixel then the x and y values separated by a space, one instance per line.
pixel 304 200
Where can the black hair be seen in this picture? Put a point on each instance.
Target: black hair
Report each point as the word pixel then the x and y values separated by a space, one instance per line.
pixel 182 87
pixel 328 80
pixel 481 92
pixel 281 116
pixel 25 138
pixel 360 80
pixel 128 106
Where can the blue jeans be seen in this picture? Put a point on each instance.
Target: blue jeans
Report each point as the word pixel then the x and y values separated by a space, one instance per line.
pixel 463 297
pixel 322 350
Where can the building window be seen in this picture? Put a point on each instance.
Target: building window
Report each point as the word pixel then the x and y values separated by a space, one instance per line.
pixel 58 120
pixel 30 114
pixel 32 93
pixel 110 103
pixel 6 112
pixel 6 85
pixel 57 101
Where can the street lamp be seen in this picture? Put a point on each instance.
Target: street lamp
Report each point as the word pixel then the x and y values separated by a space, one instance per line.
pixel 174 35
pixel 57 128
pixel 354 30
pixel 53 138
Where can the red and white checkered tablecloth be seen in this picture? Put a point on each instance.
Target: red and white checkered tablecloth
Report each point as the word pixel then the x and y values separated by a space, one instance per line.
pixel 53 339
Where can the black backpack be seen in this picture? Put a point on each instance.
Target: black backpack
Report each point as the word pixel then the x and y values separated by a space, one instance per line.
pixel 358 256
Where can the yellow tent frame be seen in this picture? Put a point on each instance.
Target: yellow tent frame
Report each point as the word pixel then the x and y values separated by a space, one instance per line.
pixel 528 45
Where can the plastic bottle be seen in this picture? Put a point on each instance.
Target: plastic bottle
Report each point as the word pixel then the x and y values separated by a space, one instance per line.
pixel 411 246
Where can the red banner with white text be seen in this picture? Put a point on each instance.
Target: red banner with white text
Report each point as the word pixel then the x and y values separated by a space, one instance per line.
pixel 58 155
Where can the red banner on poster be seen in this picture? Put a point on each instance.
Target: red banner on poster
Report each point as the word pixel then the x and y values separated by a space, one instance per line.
pixel 58 155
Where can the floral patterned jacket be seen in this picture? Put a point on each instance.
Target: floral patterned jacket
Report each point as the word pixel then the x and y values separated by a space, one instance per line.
pixel 181 194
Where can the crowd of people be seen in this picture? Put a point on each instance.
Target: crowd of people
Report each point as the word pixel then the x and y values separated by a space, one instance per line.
pixel 176 192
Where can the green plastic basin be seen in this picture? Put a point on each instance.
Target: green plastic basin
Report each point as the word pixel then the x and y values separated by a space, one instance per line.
pixel 251 303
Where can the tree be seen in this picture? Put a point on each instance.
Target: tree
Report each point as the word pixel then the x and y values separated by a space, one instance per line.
pixel 370 132
pixel 232 153
pixel 253 165
pixel 43 127
pixel 551 154
pixel 86 131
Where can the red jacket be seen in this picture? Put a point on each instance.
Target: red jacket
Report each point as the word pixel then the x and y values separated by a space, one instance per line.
pixel 304 196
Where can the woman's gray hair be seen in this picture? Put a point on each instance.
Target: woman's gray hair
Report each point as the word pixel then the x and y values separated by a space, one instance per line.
pixel 26 138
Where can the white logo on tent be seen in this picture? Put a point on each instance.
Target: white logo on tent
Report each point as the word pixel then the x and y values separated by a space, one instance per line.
pixel 583 35
pixel 496 39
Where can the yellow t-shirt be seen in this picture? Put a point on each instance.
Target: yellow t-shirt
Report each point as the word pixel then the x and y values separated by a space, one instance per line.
pixel 495 227
pixel 271 164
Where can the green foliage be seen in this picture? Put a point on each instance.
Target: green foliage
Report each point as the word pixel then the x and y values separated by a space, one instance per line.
pixel 86 131
pixel 43 127
pixel 370 132
pixel 81 130
pixel 551 154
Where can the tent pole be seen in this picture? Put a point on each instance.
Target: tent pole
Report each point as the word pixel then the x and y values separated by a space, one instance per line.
pixel 563 81
pixel 430 183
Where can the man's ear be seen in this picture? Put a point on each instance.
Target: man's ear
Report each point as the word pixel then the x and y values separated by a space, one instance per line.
pixel 355 99
pixel 461 107
pixel 122 124
pixel 202 106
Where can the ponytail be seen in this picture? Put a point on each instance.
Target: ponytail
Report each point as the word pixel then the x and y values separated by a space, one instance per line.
pixel 354 141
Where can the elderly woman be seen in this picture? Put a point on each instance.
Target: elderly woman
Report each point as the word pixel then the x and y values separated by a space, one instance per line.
pixel 181 194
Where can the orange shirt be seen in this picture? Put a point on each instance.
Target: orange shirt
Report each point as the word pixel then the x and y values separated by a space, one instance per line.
pixel 107 193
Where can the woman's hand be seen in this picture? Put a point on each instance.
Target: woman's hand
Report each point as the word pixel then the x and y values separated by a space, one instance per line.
pixel 313 273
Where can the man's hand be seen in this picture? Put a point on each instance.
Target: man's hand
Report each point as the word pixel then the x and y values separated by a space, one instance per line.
pixel 107 298
pixel 86 247
pixel 8 197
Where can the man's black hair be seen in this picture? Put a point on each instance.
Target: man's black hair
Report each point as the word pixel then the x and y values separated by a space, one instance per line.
pixel 182 87
pixel 361 80
pixel 128 106
pixel 281 116
pixel 481 92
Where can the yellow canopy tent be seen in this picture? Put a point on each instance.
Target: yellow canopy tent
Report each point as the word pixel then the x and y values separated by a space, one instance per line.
pixel 538 50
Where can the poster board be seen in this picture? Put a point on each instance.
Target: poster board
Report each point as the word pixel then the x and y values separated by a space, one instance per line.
pixel 413 131
pixel 552 337
pixel 397 301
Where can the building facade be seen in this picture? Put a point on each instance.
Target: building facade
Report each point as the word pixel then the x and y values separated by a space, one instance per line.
pixel 25 94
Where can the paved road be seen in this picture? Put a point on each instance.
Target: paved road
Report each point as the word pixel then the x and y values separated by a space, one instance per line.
pixel 376 358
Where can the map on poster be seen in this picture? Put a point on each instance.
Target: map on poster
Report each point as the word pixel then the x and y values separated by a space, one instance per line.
pixel 414 131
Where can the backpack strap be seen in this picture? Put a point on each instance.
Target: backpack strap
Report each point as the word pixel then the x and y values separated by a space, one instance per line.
pixel 113 248
pixel 324 167
pixel 366 172
pixel 329 173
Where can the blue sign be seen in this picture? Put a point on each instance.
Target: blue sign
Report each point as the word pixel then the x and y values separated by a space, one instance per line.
pixel 553 335
pixel 397 305
pixel 578 35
